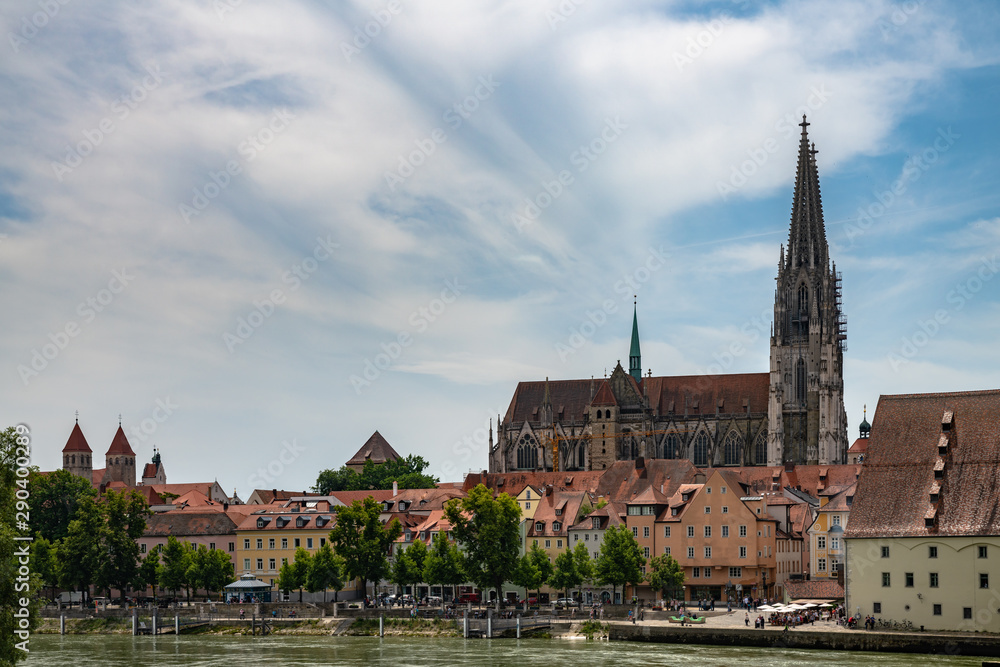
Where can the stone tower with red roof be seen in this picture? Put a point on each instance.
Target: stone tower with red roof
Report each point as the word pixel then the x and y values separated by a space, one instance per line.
pixel 120 461
pixel 77 455
pixel 807 420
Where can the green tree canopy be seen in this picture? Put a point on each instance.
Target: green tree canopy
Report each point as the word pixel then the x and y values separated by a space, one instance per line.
pixel 45 562
pixel 445 563
pixel 325 572
pixel 583 562
pixel 176 559
pixel 408 565
pixel 149 570
pixel 487 529
pixel 565 575
pixel 361 539
pixel 81 552
pixel 407 472
pixel 209 569
pixel 14 446
pixel 300 568
pixel 665 574
pixel 124 515
pixel 55 497
pixel 620 561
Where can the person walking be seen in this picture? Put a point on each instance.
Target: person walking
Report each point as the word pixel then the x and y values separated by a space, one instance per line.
pixel 747 619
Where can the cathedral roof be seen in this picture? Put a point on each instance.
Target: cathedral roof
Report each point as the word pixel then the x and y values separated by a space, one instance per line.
pixel 914 434
pixel 604 395
pixel 376 449
pixel 120 444
pixel 76 442
pixel 569 400
pixel 807 244
pixel 703 394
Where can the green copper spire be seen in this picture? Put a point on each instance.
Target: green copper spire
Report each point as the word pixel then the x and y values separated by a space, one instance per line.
pixel 634 357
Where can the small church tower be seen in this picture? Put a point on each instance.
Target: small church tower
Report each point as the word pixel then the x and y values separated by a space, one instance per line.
pixel 808 422
pixel 634 356
pixel 77 454
pixel 120 460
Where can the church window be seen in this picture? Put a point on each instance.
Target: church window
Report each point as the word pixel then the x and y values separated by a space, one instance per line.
pixel 800 381
pixel 733 445
pixel 671 446
pixel 607 414
pixel 527 454
pixel 580 457
pixel 701 449
pixel 760 449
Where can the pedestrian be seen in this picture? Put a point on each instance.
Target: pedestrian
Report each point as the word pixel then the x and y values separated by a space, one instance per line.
pixel 747 619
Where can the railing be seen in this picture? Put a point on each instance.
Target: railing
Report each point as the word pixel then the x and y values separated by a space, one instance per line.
pixel 482 627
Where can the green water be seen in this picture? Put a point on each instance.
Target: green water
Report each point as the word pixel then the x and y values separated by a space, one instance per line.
pixel 106 650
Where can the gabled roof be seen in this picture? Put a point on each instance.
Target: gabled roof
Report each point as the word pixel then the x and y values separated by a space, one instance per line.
pixel 860 446
pixel 702 394
pixel 76 442
pixel 120 444
pixel 189 524
pixel 842 502
pixel 604 395
pixel 648 496
pixel 893 496
pixel 816 589
pixel 376 450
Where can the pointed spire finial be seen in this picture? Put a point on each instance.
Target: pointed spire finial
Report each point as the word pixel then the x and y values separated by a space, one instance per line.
pixel 77 416
pixel 119 419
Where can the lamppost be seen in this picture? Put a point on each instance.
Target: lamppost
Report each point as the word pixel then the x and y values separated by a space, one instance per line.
pixel 765 583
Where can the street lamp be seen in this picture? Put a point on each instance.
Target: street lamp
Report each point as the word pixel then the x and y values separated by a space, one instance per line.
pixel 765 584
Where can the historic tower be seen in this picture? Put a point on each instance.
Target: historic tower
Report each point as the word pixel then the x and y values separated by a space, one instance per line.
pixel 808 423
pixel 634 355
pixel 77 454
pixel 120 460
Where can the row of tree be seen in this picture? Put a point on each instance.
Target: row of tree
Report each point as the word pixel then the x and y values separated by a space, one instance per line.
pixel 407 472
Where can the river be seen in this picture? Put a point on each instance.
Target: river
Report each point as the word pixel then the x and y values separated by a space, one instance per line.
pixel 107 650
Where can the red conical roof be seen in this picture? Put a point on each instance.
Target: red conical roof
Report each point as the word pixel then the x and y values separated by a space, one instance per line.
pixel 120 444
pixel 604 395
pixel 76 442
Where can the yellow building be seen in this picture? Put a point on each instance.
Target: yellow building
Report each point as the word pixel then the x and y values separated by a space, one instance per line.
pixel 826 534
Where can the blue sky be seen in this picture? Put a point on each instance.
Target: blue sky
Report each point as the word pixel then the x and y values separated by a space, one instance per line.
pixel 215 216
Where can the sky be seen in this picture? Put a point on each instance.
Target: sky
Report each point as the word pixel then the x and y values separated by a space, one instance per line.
pixel 259 232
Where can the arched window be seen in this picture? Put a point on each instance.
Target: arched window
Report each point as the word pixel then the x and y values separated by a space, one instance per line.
pixel 580 455
pixel 527 453
pixel 671 446
pixel 803 305
pixel 607 414
pixel 732 448
pixel 760 449
pixel 701 449
pixel 800 381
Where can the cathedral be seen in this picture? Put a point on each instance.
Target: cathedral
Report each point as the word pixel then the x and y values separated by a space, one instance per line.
pixel 793 414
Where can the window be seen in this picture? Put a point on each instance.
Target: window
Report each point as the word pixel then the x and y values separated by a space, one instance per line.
pixel 690 531
pixel 966 612
pixel 701 449
pixel 696 573
pixel 536 542
pixel 645 552
pixel 635 531
pixel 666 531
pixel 836 519
pixel 527 494
pixel 708 531
pixel 211 546
pixel 835 543
pixel 885 580
pixel 270 543
pixel 666 551
pixel 708 510
pixel 596 524
pixel 645 531
pixel 731 449
pixel 743 552
pixel 527 505
pixel 934 579
pixel 909 580
pixel 142 548
pixel 539 526
pixel 559 544
pixel 309 543
pixel 556 526
pixel 885 552
pixel 548 544
pixel 284 542
pixel 260 543
pixel 586 537
pixel 246 543
pixel 932 552
pixel 707 572
pixel 821 565
pixel 246 563
pixel 982 552
pixel 297 542
pixel 708 489
pixel 284 561
pixel 690 552
pixel 984 580
pixel 232 546
pixel 270 564
pixel 722 490
pixel 322 541
pixel 821 542
pixel 937 610
pixel 260 563
pixel 877 607
pixel 735 572
pixel 725 531
pixel 576 537
pixel 743 531
pixel 725 509
pixel 708 552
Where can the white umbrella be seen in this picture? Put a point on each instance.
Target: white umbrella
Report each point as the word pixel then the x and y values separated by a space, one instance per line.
pixel 796 607
pixel 810 604
pixel 826 604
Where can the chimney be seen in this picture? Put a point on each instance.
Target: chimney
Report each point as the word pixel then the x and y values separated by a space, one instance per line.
pixel 395 488
pixel 661 488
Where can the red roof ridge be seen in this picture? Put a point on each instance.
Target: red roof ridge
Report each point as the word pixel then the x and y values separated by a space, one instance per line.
pixel 604 395
pixel 76 442
pixel 120 444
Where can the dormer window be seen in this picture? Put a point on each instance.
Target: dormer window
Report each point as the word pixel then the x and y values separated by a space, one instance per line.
pixel 559 512
pixel 556 526
pixel 539 526
pixel 596 523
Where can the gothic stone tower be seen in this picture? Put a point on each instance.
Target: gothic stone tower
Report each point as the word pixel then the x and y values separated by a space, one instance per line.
pixel 120 460
pixel 808 423
pixel 77 454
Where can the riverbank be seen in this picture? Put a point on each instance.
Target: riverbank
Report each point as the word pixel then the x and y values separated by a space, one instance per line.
pixel 359 627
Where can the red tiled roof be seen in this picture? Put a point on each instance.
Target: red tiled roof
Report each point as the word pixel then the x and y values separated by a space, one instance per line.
pixel 149 470
pixel 76 442
pixel 151 496
pixel 348 497
pixel 570 397
pixel 670 394
pixel 604 395
pixel 893 494
pixel 860 446
pixel 376 449
pixel 97 476
pixel 816 590
pixel 120 444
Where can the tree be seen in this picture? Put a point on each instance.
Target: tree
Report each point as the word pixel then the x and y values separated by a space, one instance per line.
pixel 620 561
pixel 445 564
pixel 584 564
pixel 487 528
pixel 45 562
pixel 533 570
pixel 14 449
pixel 361 539
pixel 344 479
pixel 565 575
pixel 665 574
pixel 407 472
pixel 80 552
pixel 300 568
pixel 149 570
pixel 124 517
pixel 408 565
pixel 220 571
pixel 325 572
pixel 286 582
pixel 176 559
pixel 55 497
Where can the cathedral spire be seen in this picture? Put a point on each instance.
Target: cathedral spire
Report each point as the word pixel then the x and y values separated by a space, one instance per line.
pixel 807 236
pixel 634 357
